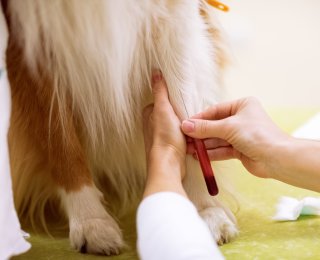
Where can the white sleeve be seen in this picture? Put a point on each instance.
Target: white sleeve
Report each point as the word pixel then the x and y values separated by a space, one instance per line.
pixel 169 227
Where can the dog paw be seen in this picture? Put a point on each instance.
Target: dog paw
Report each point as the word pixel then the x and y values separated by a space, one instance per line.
pixel 222 228
pixel 96 236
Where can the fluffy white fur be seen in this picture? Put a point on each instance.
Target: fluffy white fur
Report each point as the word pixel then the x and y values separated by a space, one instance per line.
pixel 101 53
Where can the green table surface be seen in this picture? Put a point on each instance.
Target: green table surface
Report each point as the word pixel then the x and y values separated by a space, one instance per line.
pixel 260 237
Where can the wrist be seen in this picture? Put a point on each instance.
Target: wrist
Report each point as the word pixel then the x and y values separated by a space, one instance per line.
pixel 166 168
pixel 275 154
pixel 298 163
pixel 166 160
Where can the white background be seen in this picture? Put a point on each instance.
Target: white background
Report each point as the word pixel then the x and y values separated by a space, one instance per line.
pixel 275 51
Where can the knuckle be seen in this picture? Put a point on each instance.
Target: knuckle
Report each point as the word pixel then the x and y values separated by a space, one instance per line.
pixel 158 88
pixel 203 127
pixel 228 128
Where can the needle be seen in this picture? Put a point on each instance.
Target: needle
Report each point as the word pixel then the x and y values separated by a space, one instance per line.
pixel 204 161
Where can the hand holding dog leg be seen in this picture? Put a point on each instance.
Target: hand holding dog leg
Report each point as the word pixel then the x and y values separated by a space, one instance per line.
pixel 165 144
pixel 241 129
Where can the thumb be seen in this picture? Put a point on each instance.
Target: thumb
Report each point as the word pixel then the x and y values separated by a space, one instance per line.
pixel 159 88
pixel 198 128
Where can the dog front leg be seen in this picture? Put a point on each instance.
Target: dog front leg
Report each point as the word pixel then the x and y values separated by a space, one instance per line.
pixel 186 56
pixel 34 114
pixel 92 229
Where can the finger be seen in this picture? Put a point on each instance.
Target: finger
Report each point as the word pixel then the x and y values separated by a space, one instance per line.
pixel 220 111
pixel 198 128
pixel 213 143
pixel 222 153
pixel 159 88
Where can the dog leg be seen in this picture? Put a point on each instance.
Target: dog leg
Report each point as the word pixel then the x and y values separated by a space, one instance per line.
pixel 92 229
pixel 186 56
pixel 219 219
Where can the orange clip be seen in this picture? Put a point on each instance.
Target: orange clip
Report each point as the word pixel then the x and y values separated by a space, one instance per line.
pixel 218 5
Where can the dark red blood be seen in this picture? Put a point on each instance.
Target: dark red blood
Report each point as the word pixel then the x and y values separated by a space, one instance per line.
pixel 206 167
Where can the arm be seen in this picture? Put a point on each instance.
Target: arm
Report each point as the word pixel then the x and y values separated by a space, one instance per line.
pixel 165 144
pixel 241 129
pixel 164 172
pixel 168 224
pixel 297 162
pixel 169 227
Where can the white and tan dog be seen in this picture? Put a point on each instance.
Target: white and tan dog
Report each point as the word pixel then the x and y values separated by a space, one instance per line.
pixel 80 76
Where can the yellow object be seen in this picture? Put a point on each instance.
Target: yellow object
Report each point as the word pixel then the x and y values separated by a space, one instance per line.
pixel 218 5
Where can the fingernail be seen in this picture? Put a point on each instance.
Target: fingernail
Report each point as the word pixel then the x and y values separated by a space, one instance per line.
pixel 187 126
pixel 156 76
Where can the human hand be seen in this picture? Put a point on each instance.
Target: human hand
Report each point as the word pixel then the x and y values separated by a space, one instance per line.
pixel 239 129
pixel 165 143
pixel 162 132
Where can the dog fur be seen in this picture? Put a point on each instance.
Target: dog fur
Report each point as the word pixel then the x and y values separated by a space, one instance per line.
pixel 80 76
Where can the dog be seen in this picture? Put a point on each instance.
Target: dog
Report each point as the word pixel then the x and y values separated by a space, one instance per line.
pixel 80 76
